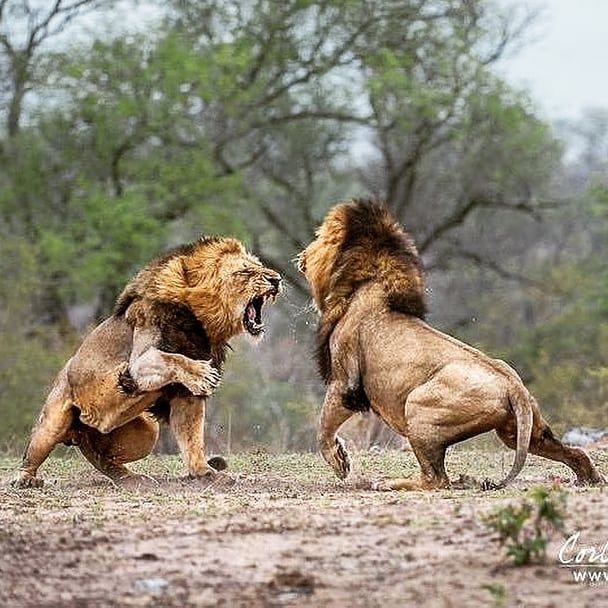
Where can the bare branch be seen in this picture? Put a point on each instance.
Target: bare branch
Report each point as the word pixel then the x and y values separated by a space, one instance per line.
pixel 23 56
pixel 280 225
pixel 454 220
pixel 460 215
pixel 484 262
pixel 316 114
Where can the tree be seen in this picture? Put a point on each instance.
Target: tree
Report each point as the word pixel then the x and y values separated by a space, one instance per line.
pixel 25 27
pixel 252 118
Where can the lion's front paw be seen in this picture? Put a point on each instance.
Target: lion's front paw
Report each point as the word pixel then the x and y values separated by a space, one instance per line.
pixel 204 379
pixel 23 479
pixel 337 457
pixel 381 485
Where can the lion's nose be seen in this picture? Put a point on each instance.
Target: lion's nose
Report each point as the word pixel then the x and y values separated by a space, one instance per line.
pixel 275 282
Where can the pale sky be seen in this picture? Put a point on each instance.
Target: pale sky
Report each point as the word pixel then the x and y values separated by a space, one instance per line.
pixel 564 64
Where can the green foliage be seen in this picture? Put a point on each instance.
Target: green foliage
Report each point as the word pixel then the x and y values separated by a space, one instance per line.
pixel 249 119
pixel 567 352
pixel 31 352
pixel 526 529
pixel 498 592
pixel 102 244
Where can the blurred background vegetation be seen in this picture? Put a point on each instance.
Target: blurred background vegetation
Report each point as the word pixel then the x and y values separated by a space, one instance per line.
pixel 120 137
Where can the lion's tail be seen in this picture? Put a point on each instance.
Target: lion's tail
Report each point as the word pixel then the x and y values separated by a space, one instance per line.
pixel 521 403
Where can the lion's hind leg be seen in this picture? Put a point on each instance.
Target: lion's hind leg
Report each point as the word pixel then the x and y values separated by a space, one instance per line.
pixel 544 443
pixel 52 427
pixel 431 458
pixel 109 452
pixel 441 413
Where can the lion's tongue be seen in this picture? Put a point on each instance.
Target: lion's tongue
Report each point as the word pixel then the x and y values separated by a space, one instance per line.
pixel 251 312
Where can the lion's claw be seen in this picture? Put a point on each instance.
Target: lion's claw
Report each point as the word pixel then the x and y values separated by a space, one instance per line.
pixel 381 485
pixel 204 379
pixel 26 480
pixel 337 457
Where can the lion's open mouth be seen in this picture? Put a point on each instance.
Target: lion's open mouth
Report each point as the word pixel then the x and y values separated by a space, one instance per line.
pixel 252 319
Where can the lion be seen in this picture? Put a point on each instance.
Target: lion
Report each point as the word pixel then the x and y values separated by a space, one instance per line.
pixel 375 351
pixel 159 356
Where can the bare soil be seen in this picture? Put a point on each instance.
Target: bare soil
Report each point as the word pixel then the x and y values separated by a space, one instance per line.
pixel 287 533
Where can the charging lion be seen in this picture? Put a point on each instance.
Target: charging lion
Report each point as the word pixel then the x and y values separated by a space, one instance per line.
pixel 160 355
pixel 376 352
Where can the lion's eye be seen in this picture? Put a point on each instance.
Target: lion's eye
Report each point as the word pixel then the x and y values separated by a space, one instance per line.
pixel 244 272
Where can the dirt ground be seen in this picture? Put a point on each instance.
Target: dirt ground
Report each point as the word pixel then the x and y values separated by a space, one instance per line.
pixel 286 534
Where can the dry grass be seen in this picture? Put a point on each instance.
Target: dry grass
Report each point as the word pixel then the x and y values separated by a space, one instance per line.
pixel 287 533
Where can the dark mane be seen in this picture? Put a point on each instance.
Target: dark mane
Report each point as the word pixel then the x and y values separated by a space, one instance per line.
pixel 375 248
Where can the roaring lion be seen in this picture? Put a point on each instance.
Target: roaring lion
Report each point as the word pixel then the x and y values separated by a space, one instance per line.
pixel 159 356
pixel 376 352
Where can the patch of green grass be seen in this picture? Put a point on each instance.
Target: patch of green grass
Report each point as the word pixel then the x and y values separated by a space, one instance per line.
pixel 526 529
pixel 311 468
pixel 498 591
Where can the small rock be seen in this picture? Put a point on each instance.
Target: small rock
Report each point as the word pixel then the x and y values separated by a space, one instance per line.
pixel 152 585
pixel 582 436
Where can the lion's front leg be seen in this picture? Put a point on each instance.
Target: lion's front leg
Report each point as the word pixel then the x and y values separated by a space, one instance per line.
pixel 155 369
pixel 122 393
pixel 333 416
pixel 187 422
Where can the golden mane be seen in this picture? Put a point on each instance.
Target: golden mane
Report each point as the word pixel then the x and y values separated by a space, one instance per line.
pixel 190 276
pixel 360 242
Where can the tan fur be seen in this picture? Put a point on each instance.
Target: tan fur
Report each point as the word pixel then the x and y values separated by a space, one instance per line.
pixel 426 385
pixel 162 350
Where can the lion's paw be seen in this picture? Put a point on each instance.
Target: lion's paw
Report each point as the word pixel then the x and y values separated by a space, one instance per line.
pixel 337 457
pixel 342 458
pixel 381 485
pixel 24 479
pixel 205 378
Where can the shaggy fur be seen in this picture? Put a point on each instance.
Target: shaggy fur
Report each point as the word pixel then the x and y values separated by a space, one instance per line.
pixel 376 352
pixel 368 245
pixel 159 355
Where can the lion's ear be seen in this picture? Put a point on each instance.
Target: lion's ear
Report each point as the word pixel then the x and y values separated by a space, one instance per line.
pixel 192 274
